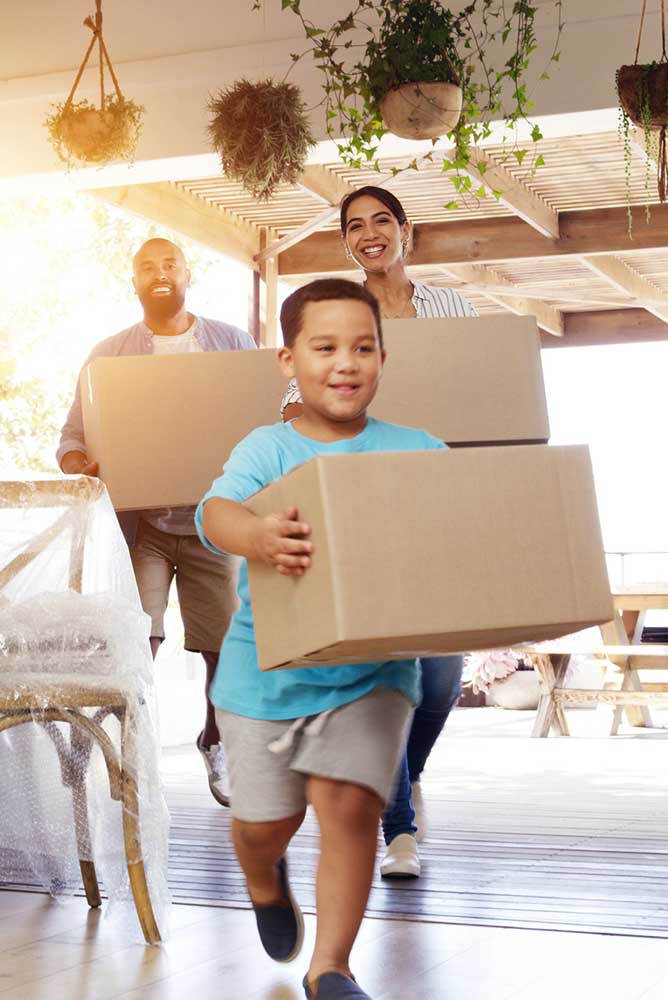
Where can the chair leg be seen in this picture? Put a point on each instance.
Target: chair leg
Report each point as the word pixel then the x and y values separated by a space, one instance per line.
pixel 131 836
pixel 80 750
pixel 89 878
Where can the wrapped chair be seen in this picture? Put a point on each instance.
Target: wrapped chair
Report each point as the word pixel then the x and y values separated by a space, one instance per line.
pixel 66 634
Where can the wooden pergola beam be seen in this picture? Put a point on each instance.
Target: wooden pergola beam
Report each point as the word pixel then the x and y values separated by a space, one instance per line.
pixel 522 201
pixel 625 279
pixel 326 185
pixel 613 326
pixel 492 240
pixel 548 318
pixel 175 208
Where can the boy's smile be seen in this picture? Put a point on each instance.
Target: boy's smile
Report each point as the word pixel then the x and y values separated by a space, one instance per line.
pixel 337 361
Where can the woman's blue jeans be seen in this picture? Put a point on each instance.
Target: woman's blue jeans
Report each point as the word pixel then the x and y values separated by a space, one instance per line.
pixel 441 687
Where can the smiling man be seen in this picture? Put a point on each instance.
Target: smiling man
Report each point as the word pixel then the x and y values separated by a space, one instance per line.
pixel 163 542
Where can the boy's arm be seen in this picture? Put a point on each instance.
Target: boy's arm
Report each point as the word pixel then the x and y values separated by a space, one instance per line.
pixel 280 540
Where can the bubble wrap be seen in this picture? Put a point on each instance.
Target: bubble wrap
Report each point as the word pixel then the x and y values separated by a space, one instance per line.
pixel 76 678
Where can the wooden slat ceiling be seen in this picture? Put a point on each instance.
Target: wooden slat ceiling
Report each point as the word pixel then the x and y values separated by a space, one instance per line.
pixel 581 173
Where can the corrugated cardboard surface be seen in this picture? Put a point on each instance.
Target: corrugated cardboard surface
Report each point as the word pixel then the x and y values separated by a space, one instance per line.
pixel 465 380
pixel 161 427
pixel 428 552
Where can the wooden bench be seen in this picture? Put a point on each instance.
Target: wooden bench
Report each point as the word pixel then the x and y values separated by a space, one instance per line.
pixel 551 661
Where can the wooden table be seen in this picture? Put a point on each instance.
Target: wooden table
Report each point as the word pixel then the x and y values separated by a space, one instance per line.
pixel 621 645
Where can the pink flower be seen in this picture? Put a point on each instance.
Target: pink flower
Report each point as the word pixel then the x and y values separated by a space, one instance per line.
pixel 484 668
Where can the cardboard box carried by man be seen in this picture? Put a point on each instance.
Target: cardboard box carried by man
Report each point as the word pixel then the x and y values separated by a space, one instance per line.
pixel 463 380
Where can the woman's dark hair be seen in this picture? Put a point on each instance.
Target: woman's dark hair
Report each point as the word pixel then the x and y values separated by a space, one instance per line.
pixel 323 290
pixel 390 201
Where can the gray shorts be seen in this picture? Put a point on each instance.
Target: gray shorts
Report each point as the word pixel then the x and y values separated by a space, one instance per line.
pixel 361 743
pixel 205 583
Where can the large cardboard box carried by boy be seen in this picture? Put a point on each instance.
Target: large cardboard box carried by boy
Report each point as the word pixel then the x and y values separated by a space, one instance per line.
pixel 162 427
pixel 422 553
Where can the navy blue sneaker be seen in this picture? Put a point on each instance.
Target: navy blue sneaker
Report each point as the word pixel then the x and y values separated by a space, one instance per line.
pixel 281 925
pixel 334 986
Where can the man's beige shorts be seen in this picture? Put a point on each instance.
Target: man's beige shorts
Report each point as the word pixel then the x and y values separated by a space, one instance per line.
pixel 205 583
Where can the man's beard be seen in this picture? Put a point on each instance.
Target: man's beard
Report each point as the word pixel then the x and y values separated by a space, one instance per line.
pixel 162 307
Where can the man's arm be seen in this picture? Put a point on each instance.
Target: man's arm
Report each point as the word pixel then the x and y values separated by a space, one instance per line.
pixel 279 540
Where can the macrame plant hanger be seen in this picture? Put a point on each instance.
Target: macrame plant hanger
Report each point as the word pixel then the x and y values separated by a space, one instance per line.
pixel 95 25
pixel 662 120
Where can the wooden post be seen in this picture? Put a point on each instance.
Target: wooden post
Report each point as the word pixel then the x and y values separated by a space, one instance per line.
pixel 254 308
pixel 262 307
pixel 267 297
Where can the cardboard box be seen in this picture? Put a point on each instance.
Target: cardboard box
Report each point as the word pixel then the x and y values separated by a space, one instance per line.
pixel 421 553
pixel 162 426
pixel 467 381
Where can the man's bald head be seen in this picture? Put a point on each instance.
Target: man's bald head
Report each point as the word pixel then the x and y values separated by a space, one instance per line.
pixel 159 245
pixel 161 278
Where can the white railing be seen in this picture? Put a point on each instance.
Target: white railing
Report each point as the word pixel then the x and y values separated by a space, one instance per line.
pixel 636 567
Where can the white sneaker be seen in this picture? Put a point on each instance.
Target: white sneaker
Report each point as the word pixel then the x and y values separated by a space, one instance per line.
pixel 420 812
pixel 401 858
pixel 216 769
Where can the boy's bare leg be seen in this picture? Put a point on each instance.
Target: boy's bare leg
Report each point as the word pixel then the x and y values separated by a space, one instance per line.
pixel 259 846
pixel 348 816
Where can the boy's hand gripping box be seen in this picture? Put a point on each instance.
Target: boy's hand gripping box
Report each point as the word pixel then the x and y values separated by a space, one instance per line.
pixel 425 553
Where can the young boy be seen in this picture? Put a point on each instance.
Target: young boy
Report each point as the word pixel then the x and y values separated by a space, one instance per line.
pixel 330 737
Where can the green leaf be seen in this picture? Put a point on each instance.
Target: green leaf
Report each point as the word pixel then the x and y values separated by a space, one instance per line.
pixel 452 204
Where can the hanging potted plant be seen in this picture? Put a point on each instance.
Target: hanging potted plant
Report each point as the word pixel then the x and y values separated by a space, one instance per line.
pixel 261 133
pixel 642 90
pixel 414 73
pixel 425 71
pixel 82 133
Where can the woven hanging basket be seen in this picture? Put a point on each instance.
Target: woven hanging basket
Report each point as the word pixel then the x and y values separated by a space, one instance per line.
pixel 95 136
pixel 82 133
pixel 644 86
pixel 643 97
pixel 422 110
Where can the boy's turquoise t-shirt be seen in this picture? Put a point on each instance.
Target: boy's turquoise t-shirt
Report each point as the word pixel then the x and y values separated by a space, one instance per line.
pixel 239 685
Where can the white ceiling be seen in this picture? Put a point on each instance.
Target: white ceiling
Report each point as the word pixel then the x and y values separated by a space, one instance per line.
pixel 172 55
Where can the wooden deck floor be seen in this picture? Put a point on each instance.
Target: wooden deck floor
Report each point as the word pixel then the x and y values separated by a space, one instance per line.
pixel 487 779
